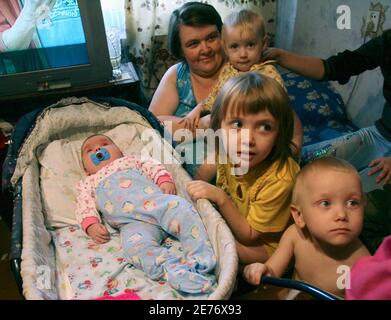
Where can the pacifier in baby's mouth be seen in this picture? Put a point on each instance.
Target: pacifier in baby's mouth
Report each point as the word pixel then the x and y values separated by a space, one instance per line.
pixel 99 156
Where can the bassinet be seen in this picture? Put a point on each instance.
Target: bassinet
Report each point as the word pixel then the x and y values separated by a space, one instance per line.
pixel 45 239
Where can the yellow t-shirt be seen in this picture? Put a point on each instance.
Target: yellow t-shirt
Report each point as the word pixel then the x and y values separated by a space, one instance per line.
pixel 263 196
pixel 265 68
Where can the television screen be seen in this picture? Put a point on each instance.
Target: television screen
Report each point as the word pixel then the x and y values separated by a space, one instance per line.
pixel 51 44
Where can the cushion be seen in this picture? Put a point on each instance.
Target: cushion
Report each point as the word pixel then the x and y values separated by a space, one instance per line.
pixel 319 107
pixel 61 170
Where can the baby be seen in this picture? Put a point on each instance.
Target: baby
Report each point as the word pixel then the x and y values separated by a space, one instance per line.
pixel 328 208
pixel 137 196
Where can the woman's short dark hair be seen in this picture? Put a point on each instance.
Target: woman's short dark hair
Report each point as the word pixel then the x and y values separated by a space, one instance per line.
pixel 195 14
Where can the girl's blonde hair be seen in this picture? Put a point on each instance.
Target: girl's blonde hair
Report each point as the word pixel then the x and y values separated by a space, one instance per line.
pixel 251 93
pixel 248 21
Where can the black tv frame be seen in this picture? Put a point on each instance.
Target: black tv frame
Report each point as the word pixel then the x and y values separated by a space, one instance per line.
pixel 41 82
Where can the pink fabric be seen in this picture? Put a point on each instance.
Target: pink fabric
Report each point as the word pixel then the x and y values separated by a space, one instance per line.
pixel 128 295
pixel 371 276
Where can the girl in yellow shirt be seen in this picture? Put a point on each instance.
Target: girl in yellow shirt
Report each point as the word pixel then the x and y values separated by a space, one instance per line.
pixel 255 168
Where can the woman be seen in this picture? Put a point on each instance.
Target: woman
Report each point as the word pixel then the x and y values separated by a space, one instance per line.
pixel 193 37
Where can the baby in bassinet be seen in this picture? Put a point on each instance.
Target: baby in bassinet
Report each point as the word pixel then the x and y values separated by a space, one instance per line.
pixel 137 195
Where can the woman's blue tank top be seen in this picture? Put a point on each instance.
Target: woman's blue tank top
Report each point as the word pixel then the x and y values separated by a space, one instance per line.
pixel 187 100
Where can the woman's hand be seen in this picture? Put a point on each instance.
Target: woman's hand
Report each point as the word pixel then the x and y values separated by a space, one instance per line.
pixel 253 273
pixel 168 187
pixel 98 232
pixel 192 119
pixel 203 190
pixel 384 165
pixel 271 54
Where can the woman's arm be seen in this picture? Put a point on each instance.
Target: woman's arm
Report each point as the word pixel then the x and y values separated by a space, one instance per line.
pixel 165 99
pixel 165 102
pixel 305 65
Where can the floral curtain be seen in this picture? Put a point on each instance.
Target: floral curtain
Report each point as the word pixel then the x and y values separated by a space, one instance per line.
pixel 146 27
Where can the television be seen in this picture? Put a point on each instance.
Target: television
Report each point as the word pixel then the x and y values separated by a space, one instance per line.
pixel 68 50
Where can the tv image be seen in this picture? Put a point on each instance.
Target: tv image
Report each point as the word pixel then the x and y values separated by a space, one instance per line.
pixel 67 48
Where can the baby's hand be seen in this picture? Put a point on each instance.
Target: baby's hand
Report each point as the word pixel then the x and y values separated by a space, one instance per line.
pixel 253 273
pixel 168 188
pixel 98 232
